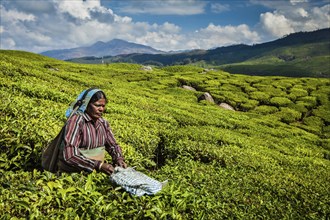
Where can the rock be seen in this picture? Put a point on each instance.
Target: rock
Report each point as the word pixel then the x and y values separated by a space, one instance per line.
pixel 188 88
pixel 226 106
pixel 48 66
pixel 146 68
pixel 206 96
pixel 207 70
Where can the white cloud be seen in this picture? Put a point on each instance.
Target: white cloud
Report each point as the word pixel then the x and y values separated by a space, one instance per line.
pixel 294 2
pixel 160 40
pixel 169 28
pixel 164 37
pixel 219 8
pixel 71 24
pixel 165 7
pixel 321 15
pixel 9 42
pixel 301 12
pixel 293 16
pixel 85 10
pixel 14 16
pixel 79 23
pixel 276 24
pixel 215 36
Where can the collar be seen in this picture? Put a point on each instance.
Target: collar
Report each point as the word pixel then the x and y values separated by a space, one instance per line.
pixel 88 118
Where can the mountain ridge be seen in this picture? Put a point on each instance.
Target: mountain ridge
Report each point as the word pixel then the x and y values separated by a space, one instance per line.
pixel 298 54
pixel 99 49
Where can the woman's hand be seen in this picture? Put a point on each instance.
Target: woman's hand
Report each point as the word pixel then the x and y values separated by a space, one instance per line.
pixel 107 168
pixel 121 163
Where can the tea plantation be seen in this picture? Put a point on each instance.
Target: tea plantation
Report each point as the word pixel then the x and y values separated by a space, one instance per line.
pixel 268 159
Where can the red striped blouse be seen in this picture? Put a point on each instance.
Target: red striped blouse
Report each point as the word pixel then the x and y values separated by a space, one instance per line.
pixel 82 132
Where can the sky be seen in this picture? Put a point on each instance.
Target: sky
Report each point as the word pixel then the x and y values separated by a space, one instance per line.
pixel 167 25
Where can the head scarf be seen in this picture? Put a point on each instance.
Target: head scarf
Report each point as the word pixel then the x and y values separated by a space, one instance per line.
pixel 84 103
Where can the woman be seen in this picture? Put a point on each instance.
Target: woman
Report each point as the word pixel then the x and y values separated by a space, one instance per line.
pixel 87 136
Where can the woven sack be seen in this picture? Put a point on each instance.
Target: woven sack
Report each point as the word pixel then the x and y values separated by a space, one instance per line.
pixel 50 154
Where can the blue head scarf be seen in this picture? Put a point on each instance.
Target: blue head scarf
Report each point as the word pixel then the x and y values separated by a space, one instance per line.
pixel 84 102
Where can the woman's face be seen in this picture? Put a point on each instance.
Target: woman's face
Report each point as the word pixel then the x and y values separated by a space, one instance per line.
pixel 96 109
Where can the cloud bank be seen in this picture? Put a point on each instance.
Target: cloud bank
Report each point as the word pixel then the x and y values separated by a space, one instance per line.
pixel 56 24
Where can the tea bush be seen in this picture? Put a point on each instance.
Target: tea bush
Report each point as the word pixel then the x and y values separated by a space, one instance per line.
pixel 265 109
pixel 309 101
pixel 288 115
pixel 280 101
pixel 298 92
pixel 269 159
pixel 260 96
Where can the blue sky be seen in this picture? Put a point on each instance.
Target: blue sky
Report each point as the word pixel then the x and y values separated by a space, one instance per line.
pixel 40 25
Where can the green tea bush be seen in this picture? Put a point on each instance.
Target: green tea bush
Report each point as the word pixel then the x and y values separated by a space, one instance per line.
pixel 322 98
pixel 271 90
pixel 249 105
pixel 230 87
pixel 260 96
pixel 234 98
pixel 292 97
pixel 265 109
pixel 249 89
pixel 315 123
pixel 298 92
pixel 326 135
pixel 309 101
pixel 284 84
pixel 322 112
pixel 299 106
pixel 280 101
pixel 176 69
pixel 288 115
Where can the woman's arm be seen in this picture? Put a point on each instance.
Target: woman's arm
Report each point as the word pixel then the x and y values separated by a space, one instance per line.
pixel 113 147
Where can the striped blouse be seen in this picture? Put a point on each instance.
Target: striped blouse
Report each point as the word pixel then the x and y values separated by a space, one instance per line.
pixel 82 132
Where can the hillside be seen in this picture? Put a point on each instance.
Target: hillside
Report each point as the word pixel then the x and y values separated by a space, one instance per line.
pixel 303 54
pixel 311 60
pixel 268 159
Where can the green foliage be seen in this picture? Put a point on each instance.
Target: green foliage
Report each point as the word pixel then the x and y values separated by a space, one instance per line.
pixel 308 101
pixel 265 109
pixel 249 105
pixel 267 160
pixel 323 112
pixel 260 96
pixel 288 115
pixel 315 123
pixel 280 101
pixel 298 92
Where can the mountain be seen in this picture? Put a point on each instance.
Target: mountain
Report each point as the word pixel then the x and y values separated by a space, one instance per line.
pixel 99 49
pixel 298 54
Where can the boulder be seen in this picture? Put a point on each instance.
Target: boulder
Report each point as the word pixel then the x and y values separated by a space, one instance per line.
pixel 146 68
pixel 226 106
pixel 188 88
pixel 206 96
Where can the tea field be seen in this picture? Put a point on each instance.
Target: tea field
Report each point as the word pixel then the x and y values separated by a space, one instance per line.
pixel 268 159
